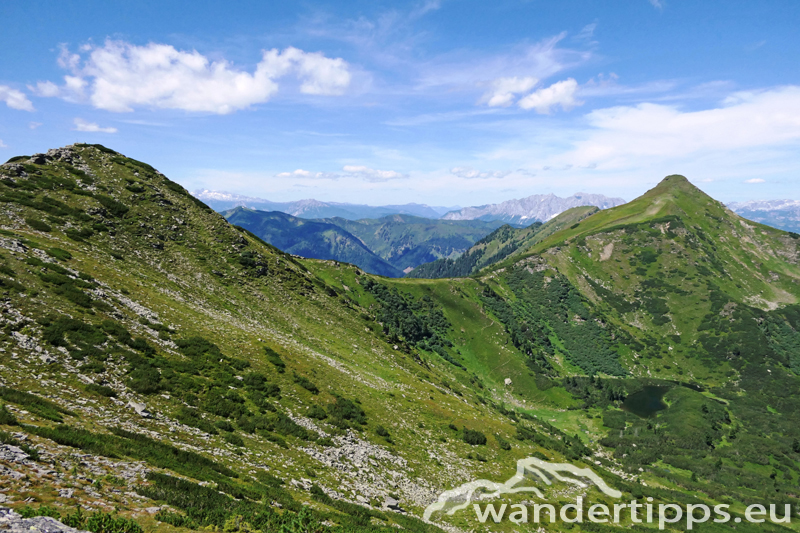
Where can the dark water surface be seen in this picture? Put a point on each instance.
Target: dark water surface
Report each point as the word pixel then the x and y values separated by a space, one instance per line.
pixel 646 402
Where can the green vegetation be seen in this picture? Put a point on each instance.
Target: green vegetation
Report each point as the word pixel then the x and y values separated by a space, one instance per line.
pixel 419 323
pixel 96 522
pixel 267 360
pixel 504 242
pixel 34 404
pixel 313 239
pixel 127 444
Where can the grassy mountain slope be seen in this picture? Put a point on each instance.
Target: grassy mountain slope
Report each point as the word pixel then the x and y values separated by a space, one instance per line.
pixel 680 289
pixel 155 338
pixel 309 238
pixel 407 241
pixel 503 242
pixel 278 382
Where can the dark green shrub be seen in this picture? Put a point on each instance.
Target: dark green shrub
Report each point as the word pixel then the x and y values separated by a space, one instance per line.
pixel 224 425
pixel 42 510
pixel 145 380
pixel 34 404
pixel 473 437
pixel 234 439
pixel 102 390
pixel 10 284
pixel 344 410
pixel 7 418
pixel 128 444
pixel 191 417
pixel 503 443
pixel 306 383
pixel 614 419
pixel 79 234
pixel 60 254
pixel 268 479
pixel 381 431
pixel 114 207
pixel 38 224
pixel 175 519
pixel 274 358
pixel 317 412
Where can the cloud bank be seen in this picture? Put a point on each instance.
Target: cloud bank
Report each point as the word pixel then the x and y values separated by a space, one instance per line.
pixel 120 76
pixel 349 171
pixel 621 135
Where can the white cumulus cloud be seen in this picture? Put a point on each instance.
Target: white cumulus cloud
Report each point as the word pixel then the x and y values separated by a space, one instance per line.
pixel 15 99
pixel 120 76
pixel 743 121
pixel 755 180
pixel 2 144
pixel 505 90
pixel 307 174
pixel 560 93
pixel 371 174
pixel 349 171
pixel 471 173
pixel 83 125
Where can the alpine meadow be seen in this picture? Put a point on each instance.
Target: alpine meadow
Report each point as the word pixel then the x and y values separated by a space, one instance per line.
pixel 431 266
pixel 157 356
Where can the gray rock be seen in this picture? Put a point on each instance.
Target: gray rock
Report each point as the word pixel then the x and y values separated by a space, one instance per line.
pixel 12 454
pixel 140 408
pixel 391 503
pixel 11 522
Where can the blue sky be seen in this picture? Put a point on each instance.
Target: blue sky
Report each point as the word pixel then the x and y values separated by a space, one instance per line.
pixel 437 102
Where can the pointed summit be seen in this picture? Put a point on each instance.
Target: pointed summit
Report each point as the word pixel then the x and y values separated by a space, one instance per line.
pixel 672 184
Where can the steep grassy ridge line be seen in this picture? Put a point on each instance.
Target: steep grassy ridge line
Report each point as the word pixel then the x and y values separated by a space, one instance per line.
pixel 664 266
pixel 126 295
pixel 504 242
pixel 755 263
pixel 309 238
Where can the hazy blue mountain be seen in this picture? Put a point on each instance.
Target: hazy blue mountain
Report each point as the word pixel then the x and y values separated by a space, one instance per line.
pixel 309 238
pixel 781 214
pixel 408 241
pixel 310 208
pixel 525 211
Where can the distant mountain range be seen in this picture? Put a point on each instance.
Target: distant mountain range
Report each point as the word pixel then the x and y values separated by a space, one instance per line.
pixel 310 208
pixel 387 246
pixel 505 241
pixel 524 211
pixel 393 240
pixel 309 238
pixel 520 212
pixel 781 214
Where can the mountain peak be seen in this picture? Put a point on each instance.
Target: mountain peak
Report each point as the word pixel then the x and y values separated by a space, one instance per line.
pixel 675 182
